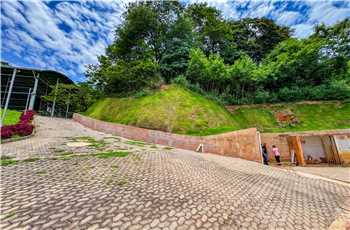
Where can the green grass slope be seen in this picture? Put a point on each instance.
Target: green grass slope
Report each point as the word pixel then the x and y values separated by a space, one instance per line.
pixel 311 116
pixel 178 110
pixel 12 117
pixel 173 109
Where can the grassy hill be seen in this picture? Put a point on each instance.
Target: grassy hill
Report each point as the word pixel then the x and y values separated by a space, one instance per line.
pixel 174 109
pixel 309 116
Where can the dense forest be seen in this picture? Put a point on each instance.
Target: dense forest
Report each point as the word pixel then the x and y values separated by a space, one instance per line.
pixel 251 60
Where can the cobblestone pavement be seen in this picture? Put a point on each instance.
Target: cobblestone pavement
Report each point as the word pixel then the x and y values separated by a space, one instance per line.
pixel 152 188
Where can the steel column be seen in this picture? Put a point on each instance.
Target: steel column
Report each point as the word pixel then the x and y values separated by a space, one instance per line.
pixel 33 95
pixel 8 95
pixel 27 102
pixel 54 100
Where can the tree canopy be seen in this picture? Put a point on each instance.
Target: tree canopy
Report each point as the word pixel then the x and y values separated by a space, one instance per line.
pixel 251 60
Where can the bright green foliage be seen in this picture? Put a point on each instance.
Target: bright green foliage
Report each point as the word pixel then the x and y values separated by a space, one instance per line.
pixel 112 154
pixel 174 109
pixel 337 38
pixel 180 40
pixel 156 38
pixel 12 117
pixel 132 76
pixel 75 98
pixel 257 36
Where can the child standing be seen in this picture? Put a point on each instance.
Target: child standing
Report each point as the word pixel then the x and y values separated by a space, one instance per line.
pixel 277 154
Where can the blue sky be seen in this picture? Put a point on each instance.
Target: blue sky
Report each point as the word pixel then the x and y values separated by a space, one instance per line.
pixel 67 35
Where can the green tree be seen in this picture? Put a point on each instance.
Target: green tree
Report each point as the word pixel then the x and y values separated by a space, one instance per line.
pixel 180 39
pixel 258 36
pixel 74 98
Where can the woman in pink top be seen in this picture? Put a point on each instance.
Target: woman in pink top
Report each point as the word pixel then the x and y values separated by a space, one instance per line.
pixel 277 154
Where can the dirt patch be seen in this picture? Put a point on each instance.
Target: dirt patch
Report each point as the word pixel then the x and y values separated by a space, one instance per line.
pixel 78 144
pixel 286 118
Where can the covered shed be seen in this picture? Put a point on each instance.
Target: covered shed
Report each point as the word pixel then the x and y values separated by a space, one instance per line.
pixel 22 88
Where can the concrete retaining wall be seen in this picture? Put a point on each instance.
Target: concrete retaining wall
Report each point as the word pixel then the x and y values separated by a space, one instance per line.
pixel 242 143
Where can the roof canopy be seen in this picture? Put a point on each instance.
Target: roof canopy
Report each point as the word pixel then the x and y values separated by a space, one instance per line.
pixel 49 76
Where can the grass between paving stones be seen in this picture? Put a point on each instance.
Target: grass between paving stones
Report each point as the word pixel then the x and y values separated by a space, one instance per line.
pixel 31 159
pixel 10 214
pixel 41 172
pixel 7 162
pixel 111 154
pixel 138 143
pixel 93 142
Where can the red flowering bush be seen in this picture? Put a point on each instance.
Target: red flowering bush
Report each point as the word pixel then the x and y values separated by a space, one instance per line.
pixel 22 128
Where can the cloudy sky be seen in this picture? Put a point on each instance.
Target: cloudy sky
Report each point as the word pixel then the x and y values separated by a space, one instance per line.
pixel 67 35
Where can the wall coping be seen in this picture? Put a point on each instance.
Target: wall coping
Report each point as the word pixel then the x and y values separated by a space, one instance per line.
pixel 75 115
pixel 312 133
pixel 241 143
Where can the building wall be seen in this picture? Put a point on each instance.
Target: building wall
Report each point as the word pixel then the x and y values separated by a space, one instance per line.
pixel 242 143
pixel 341 137
pixel 343 144
pixel 313 147
pixel 280 141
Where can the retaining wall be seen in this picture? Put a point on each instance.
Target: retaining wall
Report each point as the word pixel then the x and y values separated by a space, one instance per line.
pixel 242 143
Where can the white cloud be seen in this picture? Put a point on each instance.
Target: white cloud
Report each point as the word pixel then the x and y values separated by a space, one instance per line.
pixel 34 32
pixel 326 12
pixel 303 30
pixel 71 34
pixel 288 18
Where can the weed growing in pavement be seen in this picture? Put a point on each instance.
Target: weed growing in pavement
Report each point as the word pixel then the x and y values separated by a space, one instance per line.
pixel 122 181
pixel 31 159
pixel 58 150
pixel 138 143
pixel 112 154
pixel 41 172
pixel 7 160
pixel 67 154
pixel 93 142
pixel 10 214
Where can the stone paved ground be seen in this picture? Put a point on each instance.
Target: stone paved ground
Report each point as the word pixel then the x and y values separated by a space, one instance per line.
pixel 336 173
pixel 152 188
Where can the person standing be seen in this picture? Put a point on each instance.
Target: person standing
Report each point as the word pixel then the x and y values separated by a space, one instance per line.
pixel 277 154
pixel 265 154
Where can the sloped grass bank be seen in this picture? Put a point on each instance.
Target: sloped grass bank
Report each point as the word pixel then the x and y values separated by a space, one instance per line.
pixel 178 110
pixel 12 117
pixel 310 116
pixel 173 109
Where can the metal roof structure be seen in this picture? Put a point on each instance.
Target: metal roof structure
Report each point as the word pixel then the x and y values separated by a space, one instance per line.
pixel 22 88
pixel 47 75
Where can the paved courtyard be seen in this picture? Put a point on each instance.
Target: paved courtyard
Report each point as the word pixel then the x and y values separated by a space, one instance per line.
pixel 60 184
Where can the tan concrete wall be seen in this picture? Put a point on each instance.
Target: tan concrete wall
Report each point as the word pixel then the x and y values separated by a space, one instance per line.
pixel 242 143
pixel 280 141
pixel 343 144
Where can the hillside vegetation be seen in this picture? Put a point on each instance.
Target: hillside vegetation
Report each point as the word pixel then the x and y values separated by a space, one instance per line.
pixel 12 117
pixel 178 110
pixel 309 116
pixel 173 109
